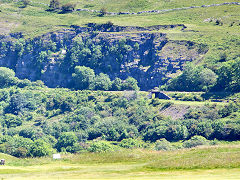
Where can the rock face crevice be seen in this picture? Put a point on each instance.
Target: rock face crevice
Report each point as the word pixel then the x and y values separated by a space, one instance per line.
pixel 118 51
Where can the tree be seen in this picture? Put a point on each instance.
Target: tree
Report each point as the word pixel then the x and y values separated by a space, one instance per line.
pixel 207 79
pixel 83 77
pixel 40 148
pixel 66 139
pixel 130 84
pixel 229 76
pixel 117 84
pixel 101 82
pixel 193 79
pixel 7 77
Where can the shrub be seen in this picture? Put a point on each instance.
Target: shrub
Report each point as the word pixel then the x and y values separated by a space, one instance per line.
pixel 117 84
pixel 103 12
pixel 83 77
pixel 7 77
pixel 195 141
pixel 12 120
pixel 40 148
pixel 69 7
pixel 163 144
pixel 101 146
pixel 130 84
pixel 23 3
pixel 101 82
pixel 131 143
pixel 66 139
pixel 54 4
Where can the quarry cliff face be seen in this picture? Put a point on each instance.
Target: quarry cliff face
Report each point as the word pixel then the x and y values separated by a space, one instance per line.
pixel 148 56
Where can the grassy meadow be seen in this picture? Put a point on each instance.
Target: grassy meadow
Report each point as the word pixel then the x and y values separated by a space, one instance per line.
pixel 218 162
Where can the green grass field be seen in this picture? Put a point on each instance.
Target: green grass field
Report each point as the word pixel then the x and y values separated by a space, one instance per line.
pixel 219 162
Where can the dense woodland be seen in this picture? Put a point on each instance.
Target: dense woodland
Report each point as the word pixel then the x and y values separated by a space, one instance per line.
pixel 37 121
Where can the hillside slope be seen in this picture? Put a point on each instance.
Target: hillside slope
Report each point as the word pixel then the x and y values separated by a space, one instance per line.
pixel 209 36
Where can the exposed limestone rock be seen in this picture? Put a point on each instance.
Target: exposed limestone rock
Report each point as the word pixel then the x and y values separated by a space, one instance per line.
pixel 148 57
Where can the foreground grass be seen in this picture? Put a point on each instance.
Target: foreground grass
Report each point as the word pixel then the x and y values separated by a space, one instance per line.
pixel 219 162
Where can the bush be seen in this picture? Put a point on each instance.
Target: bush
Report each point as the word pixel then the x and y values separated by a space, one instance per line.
pixel 23 3
pixel 101 146
pixel 101 82
pixel 193 79
pixel 66 139
pixel 69 7
pixel 163 144
pixel 131 143
pixel 103 12
pixel 130 84
pixel 83 77
pixel 195 141
pixel 7 77
pixel 12 120
pixel 40 148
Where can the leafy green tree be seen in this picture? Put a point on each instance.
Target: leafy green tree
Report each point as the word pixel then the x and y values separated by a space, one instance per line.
pixel 40 148
pixel 117 84
pixel 193 78
pixel 130 84
pixel 7 77
pixel 207 79
pixel 229 76
pixel 101 82
pixel 66 139
pixel 83 77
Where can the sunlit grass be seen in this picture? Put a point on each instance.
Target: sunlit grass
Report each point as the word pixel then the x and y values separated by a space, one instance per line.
pixel 218 162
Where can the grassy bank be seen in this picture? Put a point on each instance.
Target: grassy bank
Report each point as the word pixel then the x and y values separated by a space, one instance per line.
pixel 219 162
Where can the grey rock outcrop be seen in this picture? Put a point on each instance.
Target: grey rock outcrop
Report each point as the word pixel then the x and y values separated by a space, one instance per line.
pixel 149 57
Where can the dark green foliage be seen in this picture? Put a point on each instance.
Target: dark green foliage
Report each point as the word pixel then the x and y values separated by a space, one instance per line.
pixel 131 143
pixel 194 78
pixel 117 84
pixel 54 5
pixel 83 77
pixel 101 82
pixel 12 120
pixel 130 84
pixel 229 76
pixel 67 120
pixel 40 148
pixel 66 141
